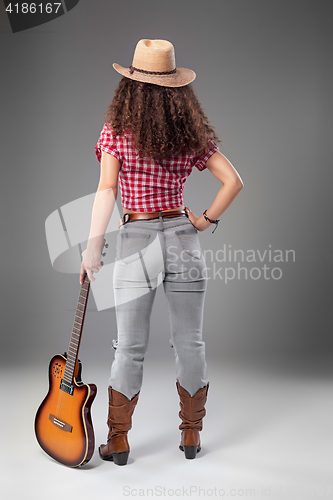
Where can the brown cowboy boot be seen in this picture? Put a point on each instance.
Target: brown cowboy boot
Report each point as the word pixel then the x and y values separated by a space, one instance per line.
pixel 192 411
pixel 120 422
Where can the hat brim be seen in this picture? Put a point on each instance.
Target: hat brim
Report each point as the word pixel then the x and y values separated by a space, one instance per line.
pixel 182 77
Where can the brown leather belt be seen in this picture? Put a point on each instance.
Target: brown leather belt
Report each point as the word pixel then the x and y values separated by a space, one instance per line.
pixel 151 215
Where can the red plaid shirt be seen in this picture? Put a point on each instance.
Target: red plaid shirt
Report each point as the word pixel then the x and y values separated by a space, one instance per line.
pixel 148 185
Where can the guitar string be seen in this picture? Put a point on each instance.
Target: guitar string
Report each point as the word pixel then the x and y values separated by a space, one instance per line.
pixel 62 398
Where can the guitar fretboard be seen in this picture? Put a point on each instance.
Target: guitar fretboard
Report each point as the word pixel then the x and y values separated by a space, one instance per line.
pixel 74 344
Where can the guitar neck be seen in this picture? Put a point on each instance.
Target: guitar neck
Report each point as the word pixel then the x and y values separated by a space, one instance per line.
pixel 74 345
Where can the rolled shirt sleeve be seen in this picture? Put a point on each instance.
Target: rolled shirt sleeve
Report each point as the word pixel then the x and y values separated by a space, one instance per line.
pixel 200 161
pixel 107 142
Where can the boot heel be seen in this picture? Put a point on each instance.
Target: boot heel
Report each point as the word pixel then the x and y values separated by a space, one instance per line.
pixel 190 451
pixel 120 458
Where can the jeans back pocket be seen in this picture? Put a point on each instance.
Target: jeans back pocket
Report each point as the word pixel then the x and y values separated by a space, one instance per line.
pixel 189 241
pixel 133 245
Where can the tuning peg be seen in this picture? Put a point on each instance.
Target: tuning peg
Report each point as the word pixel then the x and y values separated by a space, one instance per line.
pixel 104 254
pixel 102 263
pixel 106 245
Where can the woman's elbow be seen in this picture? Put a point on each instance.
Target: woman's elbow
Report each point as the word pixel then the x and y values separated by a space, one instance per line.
pixel 237 184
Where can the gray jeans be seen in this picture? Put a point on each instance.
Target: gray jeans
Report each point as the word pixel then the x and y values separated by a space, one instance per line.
pixel 151 252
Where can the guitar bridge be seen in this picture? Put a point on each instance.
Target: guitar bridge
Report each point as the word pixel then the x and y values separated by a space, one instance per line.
pixel 60 423
pixel 69 388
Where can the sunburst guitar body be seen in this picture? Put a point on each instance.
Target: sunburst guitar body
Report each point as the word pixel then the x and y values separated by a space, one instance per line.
pixel 63 424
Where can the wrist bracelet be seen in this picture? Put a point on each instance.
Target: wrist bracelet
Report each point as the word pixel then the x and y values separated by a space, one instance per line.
pixel 216 222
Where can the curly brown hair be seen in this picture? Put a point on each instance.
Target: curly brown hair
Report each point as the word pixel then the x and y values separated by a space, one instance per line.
pixel 164 121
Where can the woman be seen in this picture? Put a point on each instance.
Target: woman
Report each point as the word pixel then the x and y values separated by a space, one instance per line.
pixel 155 133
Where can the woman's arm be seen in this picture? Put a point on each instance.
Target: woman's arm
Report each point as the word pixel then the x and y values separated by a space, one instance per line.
pixel 105 198
pixel 224 171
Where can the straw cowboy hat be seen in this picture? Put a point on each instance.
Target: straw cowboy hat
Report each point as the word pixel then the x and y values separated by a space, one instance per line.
pixel 154 62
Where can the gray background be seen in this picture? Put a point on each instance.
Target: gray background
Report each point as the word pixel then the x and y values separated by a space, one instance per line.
pixel 264 79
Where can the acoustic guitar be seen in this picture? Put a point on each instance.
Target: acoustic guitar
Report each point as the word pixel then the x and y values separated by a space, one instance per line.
pixel 63 424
